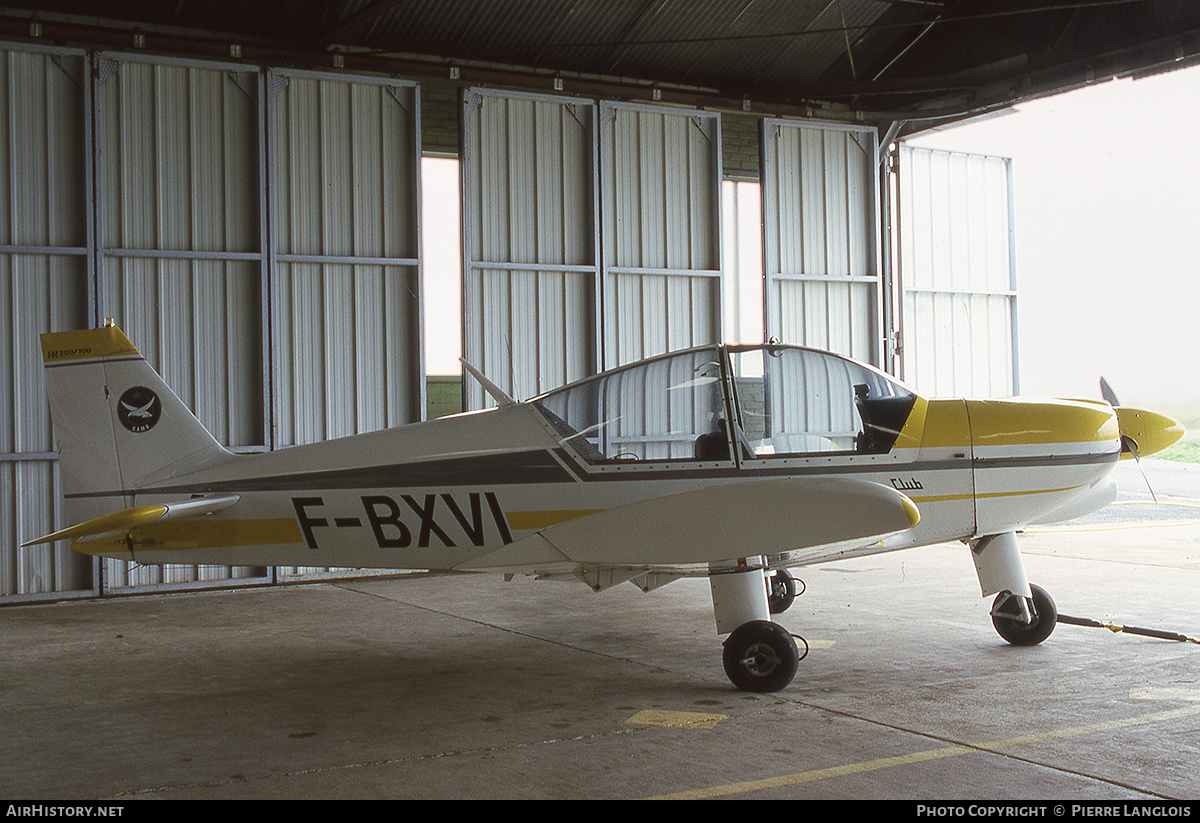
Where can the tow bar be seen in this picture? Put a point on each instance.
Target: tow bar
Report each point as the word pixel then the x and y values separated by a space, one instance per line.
pixel 1083 621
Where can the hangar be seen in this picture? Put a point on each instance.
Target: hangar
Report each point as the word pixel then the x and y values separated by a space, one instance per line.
pixel 241 187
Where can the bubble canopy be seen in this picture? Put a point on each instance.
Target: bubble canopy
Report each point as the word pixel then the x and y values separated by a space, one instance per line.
pixel 782 400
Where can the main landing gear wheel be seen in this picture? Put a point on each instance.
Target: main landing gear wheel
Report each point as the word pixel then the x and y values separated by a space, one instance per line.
pixel 760 656
pixel 1009 624
pixel 781 591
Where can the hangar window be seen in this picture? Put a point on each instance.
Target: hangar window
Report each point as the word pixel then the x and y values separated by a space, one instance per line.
pixel 668 408
pixel 800 401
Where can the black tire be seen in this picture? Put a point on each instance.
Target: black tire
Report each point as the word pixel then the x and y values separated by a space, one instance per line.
pixel 760 656
pixel 1045 618
pixel 781 591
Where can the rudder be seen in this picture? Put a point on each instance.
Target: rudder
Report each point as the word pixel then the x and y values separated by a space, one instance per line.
pixel 118 426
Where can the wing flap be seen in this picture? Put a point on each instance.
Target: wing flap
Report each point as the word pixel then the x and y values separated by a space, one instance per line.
pixel 763 517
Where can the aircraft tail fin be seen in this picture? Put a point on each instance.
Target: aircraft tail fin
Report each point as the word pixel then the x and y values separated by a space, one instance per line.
pixel 118 426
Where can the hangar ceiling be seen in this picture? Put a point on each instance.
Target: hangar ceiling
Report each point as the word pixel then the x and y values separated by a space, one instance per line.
pixel 875 61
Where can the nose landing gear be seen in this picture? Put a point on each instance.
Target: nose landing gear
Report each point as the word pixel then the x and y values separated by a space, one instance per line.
pixel 1021 619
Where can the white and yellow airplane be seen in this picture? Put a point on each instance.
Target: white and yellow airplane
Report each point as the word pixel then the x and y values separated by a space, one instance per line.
pixel 730 462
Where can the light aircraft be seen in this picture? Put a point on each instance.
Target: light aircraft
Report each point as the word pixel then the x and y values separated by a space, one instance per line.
pixel 733 463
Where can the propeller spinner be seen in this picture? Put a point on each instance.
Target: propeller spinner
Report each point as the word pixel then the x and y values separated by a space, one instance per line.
pixel 1142 432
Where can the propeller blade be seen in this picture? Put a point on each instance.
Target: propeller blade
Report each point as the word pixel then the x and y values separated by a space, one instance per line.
pixel 1110 397
pixel 1141 431
pixel 1131 446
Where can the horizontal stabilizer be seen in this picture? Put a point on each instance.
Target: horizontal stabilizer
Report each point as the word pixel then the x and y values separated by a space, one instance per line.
pixel 764 517
pixel 128 519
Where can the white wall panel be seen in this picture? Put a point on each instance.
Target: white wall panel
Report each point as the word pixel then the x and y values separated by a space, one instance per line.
pixel 821 257
pixel 660 201
pixel 529 239
pixel 544 189
pixel 39 293
pixel 344 182
pixel 956 267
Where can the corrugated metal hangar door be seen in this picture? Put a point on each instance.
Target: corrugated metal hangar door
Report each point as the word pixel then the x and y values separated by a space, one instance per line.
pixel 820 205
pixel 176 240
pixel 253 231
pixel 344 180
pixel 591 236
pixel 343 183
pixel 661 207
pixel 46 254
pixel 530 261
pixel 957 273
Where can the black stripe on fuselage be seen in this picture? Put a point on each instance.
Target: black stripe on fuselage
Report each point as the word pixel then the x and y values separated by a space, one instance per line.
pixel 562 466
pixel 519 468
pixel 771 467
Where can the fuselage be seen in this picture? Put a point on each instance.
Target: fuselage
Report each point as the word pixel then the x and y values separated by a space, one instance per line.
pixel 435 495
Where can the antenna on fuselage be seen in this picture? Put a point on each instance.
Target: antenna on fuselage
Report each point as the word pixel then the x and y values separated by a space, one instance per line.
pixel 498 394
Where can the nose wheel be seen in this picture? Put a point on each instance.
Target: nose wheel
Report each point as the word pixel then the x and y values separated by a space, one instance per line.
pixel 1024 623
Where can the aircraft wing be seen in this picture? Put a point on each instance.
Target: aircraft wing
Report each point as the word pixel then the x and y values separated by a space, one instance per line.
pixel 126 520
pixel 763 517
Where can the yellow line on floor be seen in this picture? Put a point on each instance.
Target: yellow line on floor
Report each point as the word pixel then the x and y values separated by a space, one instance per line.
pixel 921 757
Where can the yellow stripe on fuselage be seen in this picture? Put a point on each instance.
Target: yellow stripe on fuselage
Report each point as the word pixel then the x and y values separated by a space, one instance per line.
pixel 200 534
pixel 941 498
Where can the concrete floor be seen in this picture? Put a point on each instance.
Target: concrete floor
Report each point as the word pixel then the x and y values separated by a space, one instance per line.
pixel 470 687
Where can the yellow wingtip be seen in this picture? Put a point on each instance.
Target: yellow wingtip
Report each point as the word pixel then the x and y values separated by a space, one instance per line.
pixel 910 509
